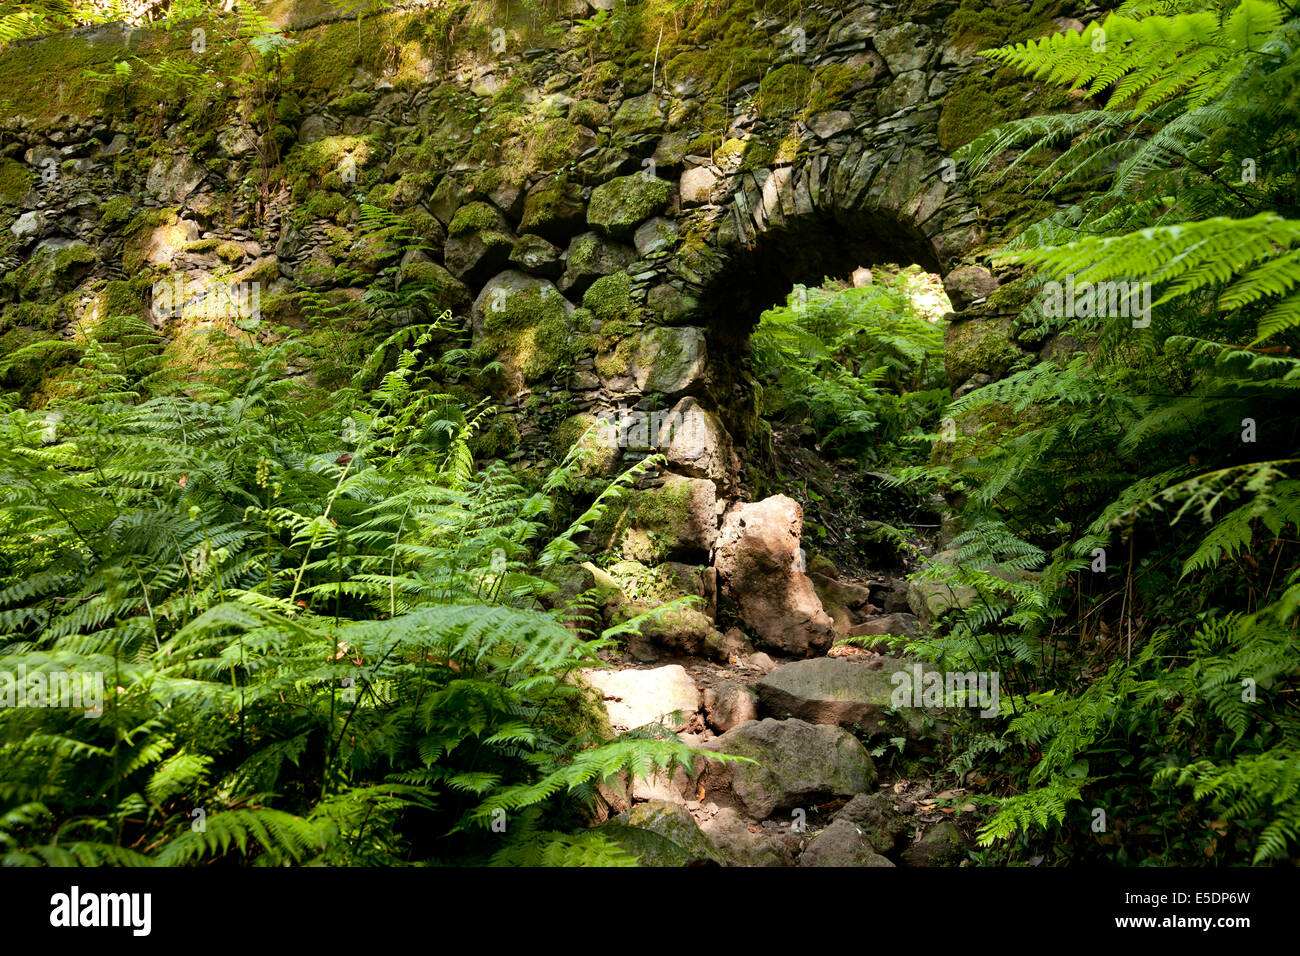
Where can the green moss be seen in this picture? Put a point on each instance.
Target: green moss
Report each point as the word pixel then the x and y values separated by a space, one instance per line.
pixel 979 345
pixel 53 270
pixel 497 441
pixel 591 113
pixel 610 298
pixel 474 217
pixel 833 84
pixel 546 348
pixel 29 360
pixel 594 457
pixel 324 162
pixel 784 91
pixel 542 146
pixel 352 104
pixel 230 253
pixel 618 206
pixel 382 195
pixel 325 205
pixel 263 274
pixel 759 152
pixel 138 233
pixel 530 333
pixel 980 24
pixel 42 316
pixel 122 297
pixel 580 320
pixel 15 180
pixel 616 359
pixel 113 212
pixel 1012 297
pixel 649 527
pixel 977 103
pixel 77 254
pixel 281 309
pixel 523 310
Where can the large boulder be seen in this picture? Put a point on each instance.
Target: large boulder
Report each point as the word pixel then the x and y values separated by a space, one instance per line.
pixel 634 698
pixel 979 345
pixel 830 690
pixel 677 519
pixel 759 571
pixel 507 295
pixel 797 764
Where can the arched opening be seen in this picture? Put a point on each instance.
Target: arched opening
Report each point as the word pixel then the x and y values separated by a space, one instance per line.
pixel 825 344
pixel 804 251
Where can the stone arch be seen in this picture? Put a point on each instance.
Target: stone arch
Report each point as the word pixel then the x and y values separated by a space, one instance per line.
pixel 855 200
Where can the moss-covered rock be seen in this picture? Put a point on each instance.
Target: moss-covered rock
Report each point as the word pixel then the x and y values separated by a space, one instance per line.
pixel 154 236
pixel 523 321
pixel 589 257
pixel 620 205
pixel 977 103
pixel 15 180
pixel 979 345
pixel 785 91
pixel 660 833
pixel 554 210
pixel 669 360
pixel 54 269
pixel 478 242
pixel 589 113
pixel 597 447
pixel 442 291
pixel 677 520
pixel 610 299
pixel 638 115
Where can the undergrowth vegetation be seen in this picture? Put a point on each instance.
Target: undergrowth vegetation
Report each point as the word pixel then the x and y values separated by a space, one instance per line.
pixel 859 367
pixel 1130 533
pixel 324 635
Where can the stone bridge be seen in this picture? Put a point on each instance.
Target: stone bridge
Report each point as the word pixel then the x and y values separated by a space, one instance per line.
pixel 607 221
